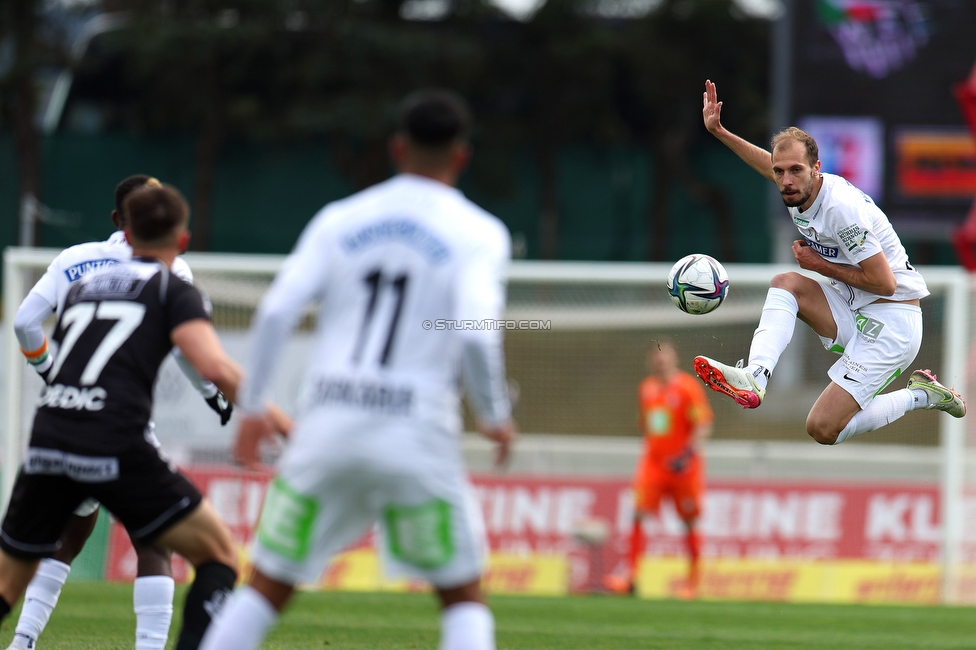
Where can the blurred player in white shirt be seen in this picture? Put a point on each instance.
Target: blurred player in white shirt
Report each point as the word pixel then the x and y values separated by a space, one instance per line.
pixel 153 588
pixel 378 437
pixel 867 311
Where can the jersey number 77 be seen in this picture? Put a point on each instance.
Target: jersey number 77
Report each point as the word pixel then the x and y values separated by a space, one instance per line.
pixel 77 318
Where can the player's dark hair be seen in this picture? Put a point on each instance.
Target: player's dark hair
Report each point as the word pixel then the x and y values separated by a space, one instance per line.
pixel 801 136
pixel 434 118
pixel 131 183
pixel 155 214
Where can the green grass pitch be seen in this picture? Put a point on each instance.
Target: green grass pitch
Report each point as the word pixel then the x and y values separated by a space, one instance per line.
pixel 100 616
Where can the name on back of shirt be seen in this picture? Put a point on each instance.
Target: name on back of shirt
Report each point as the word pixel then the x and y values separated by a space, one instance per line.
pixel 404 231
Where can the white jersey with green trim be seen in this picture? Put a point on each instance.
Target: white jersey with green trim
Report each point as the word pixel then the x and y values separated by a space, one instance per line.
pixel 846 227
pixel 410 279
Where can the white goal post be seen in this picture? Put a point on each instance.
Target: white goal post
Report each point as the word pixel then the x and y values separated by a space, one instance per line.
pixel 599 316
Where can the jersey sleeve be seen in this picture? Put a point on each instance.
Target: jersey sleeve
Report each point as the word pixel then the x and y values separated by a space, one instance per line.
pixel 184 303
pixel 301 279
pixel 481 296
pixel 47 286
pixel 850 224
pixel 38 305
pixel 699 410
pixel 29 319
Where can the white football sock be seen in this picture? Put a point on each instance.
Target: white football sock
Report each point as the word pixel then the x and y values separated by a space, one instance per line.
pixel 776 325
pixel 152 600
pixel 921 398
pixel 242 623
pixel 885 409
pixel 467 626
pixel 40 600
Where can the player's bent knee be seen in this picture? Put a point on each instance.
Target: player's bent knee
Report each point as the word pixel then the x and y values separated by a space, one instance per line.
pixel 225 552
pixel 822 433
pixel 201 538
pixel 797 284
pixel 789 281
pixel 216 547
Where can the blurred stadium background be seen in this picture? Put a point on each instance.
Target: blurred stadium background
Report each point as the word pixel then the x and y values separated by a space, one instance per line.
pixel 590 148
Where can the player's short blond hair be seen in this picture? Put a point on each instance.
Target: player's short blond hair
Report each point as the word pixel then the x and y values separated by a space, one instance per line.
pixel 793 134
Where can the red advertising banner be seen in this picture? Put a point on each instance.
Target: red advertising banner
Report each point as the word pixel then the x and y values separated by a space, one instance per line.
pixel 746 520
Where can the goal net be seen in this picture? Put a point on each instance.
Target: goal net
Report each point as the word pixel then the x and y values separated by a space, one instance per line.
pixel 576 347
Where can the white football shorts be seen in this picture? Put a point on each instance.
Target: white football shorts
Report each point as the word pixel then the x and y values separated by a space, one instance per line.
pixel 877 344
pixel 340 476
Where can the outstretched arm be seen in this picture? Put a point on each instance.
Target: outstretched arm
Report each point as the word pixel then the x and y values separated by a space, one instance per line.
pixel 756 157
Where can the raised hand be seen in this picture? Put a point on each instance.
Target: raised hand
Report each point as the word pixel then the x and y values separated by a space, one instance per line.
pixel 711 108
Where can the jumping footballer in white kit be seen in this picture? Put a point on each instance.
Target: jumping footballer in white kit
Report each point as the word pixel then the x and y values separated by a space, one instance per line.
pixel 867 311
pixel 154 587
pixel 378 439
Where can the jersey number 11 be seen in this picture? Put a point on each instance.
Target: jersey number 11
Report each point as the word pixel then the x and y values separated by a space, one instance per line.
pixel 375 282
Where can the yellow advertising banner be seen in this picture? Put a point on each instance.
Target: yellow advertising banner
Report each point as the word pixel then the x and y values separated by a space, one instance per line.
pixel 539 575
pixel 841 581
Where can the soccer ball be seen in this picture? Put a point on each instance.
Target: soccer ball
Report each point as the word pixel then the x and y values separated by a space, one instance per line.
pixel 698 284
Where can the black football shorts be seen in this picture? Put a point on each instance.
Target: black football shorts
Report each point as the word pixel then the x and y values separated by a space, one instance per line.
pixel 134 482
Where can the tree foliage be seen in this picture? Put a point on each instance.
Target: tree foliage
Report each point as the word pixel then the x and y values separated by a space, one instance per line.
pixel 283 69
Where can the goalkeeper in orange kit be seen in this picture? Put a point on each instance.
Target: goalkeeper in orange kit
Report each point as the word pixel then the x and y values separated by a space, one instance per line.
pixel 676 418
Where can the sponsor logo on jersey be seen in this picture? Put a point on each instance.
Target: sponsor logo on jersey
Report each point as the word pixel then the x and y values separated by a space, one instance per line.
pixel 853 366
pixel 59 396
pixel 369 396
pixel 84 469
pixel 82 269
pixel 825 251
pixel 853 237
pixel 401 230
pixel 658 421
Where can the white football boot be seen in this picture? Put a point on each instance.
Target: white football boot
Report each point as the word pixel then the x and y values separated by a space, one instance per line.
pixel 941 398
